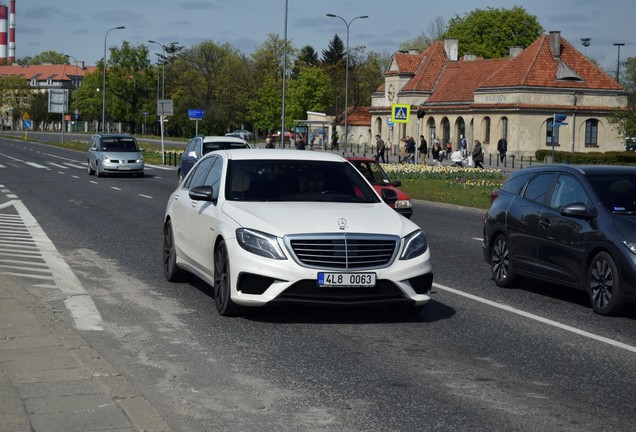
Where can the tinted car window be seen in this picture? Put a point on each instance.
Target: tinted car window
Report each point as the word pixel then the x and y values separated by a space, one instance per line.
pixel 515 183
pixel 539 187
pixel 616 192
pixel 197 178
pixel 567 190
pixel 214 176
pixel 220 145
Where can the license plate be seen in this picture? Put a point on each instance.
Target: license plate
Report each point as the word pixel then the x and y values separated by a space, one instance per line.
pixel 123 168
pixel 346 279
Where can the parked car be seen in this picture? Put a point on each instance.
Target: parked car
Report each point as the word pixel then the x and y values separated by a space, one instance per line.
pixel 289 226
pixel 289 135
pixel 200 145
pixel 373 171
pixel 241 133
pixel 569 225
pixel 114 154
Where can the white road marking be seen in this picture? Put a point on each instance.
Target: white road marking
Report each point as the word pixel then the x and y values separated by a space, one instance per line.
pixel 116 188
pixel 539 318
pixel 145 196
pixel 77 301
pixel 57 165
pixel 36 165
pixel 76 166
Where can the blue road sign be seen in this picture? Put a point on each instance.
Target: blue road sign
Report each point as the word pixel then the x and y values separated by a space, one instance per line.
pixel 27 123
pixel 195 114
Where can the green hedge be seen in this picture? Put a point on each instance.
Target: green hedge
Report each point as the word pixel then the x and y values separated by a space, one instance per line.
pixel 589 158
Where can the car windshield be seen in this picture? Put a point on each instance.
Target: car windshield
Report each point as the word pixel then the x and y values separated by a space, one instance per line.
pixel 293 180
pixel 616 191
pixel 118 144
pixel 221 145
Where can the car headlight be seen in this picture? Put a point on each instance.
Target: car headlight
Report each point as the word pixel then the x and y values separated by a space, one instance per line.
pixel 104 158
pixel 403 204
pixel 414 245
pixel 631 246
pixel 140 159
pixel 259 243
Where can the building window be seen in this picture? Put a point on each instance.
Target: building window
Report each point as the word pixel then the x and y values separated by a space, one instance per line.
pixel 551 132
pixel 504 128
pixel 487 130
pixel 34 82
pixel 591 133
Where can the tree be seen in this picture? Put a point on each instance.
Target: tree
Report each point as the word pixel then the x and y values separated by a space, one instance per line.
pixel 435 32
pixel 625 120
pixel 307 57
pixel 310 91
pixel 490 33
pixel 52 57
pixel 335 51
pixel 131 83
pixel 16 97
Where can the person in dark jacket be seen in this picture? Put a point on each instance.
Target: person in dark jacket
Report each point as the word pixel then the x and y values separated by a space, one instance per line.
pixel 478 155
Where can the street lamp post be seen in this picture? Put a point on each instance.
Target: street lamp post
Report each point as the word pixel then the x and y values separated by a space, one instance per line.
pixel 75 88
pixel 346 123
pixel 586 42
pixel 163 65
pixel 618 62
pixel 104 79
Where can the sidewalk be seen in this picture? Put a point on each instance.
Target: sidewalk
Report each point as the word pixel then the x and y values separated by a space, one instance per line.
pixel 52 380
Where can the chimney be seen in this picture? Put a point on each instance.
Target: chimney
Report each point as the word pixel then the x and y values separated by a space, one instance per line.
pixel 515 51
pixel 12 32
pixel 555 43
pixel 3 34
pixel 450 46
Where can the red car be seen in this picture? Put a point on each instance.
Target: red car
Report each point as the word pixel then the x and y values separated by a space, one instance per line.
pixel 289 135
pixel 378 178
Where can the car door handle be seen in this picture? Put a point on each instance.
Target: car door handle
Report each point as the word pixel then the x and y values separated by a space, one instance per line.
pixel 545 223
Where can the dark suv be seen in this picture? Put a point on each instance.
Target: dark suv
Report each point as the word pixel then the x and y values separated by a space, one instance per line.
pixel 201 145
pixel 114 154
pixel 569 225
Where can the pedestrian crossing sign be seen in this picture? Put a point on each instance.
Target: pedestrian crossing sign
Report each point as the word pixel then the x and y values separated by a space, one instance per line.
pixel 400 113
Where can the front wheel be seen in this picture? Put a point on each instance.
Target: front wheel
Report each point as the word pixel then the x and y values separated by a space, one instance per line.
pixel 171 271
pixel 91 171
pixel 503 272
pixel 222 283
pixel 604 284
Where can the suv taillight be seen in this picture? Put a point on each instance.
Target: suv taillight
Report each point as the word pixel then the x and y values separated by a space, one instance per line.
pixel 494 195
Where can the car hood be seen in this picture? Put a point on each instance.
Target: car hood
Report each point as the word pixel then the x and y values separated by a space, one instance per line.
pixel 323 217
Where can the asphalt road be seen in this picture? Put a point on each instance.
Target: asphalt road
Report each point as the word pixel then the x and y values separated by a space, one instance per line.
pixel 479 358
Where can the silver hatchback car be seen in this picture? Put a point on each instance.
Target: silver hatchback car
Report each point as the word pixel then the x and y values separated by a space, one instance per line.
pixel 114 154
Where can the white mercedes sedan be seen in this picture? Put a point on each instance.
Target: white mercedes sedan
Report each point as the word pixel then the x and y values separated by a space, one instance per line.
pixel 293 226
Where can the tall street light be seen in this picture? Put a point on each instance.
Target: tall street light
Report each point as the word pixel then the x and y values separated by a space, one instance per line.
pixel 75 88
pixel 163 65
pixel 618 62
pixel 346 125
pixel 104 80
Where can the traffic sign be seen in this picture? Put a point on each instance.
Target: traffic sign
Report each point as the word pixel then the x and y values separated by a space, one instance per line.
pixel 195 114
pixel 25 115
pixel 559 120
pixel 400 113
pixel 26 123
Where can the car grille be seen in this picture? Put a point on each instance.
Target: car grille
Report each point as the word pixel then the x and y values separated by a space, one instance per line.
pixel 309 291
pixel 344 251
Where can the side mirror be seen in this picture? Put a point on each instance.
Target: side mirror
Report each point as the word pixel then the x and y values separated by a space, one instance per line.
pixel 389 196
pixel 396 183
pixel 202 193
pixel 576 210
pixel 192 154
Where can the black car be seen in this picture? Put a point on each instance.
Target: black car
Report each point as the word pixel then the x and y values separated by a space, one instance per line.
pixel 570 225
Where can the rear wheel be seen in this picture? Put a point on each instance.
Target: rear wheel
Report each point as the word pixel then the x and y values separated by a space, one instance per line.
pixel 171 271
pixel 222 283
pixel 604 284
pixel 503 272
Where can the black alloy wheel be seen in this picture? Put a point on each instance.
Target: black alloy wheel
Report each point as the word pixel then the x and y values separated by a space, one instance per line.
pixel 222 283
pixel 171 271
pixel 604 284
pixel 502 271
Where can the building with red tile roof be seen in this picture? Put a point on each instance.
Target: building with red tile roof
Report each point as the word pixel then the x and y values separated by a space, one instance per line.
pixel 514 98
pixel 48 76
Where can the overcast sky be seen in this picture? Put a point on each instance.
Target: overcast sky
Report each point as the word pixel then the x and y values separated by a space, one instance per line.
pixel 78 27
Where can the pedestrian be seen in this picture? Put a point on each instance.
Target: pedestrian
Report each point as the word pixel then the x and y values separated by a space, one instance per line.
pixel 423 148
pixel 478 155
pixel 436 150
pixel 410 149
pixel 300 141
pixel 312 139
pixel 268 142
pixel 334 140
pixel 463 146
pixel 502 148
pixel 381 149
pixel 449 150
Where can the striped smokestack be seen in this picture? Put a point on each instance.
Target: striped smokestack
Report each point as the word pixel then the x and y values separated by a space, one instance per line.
pixel 3 34
pixel 12 32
